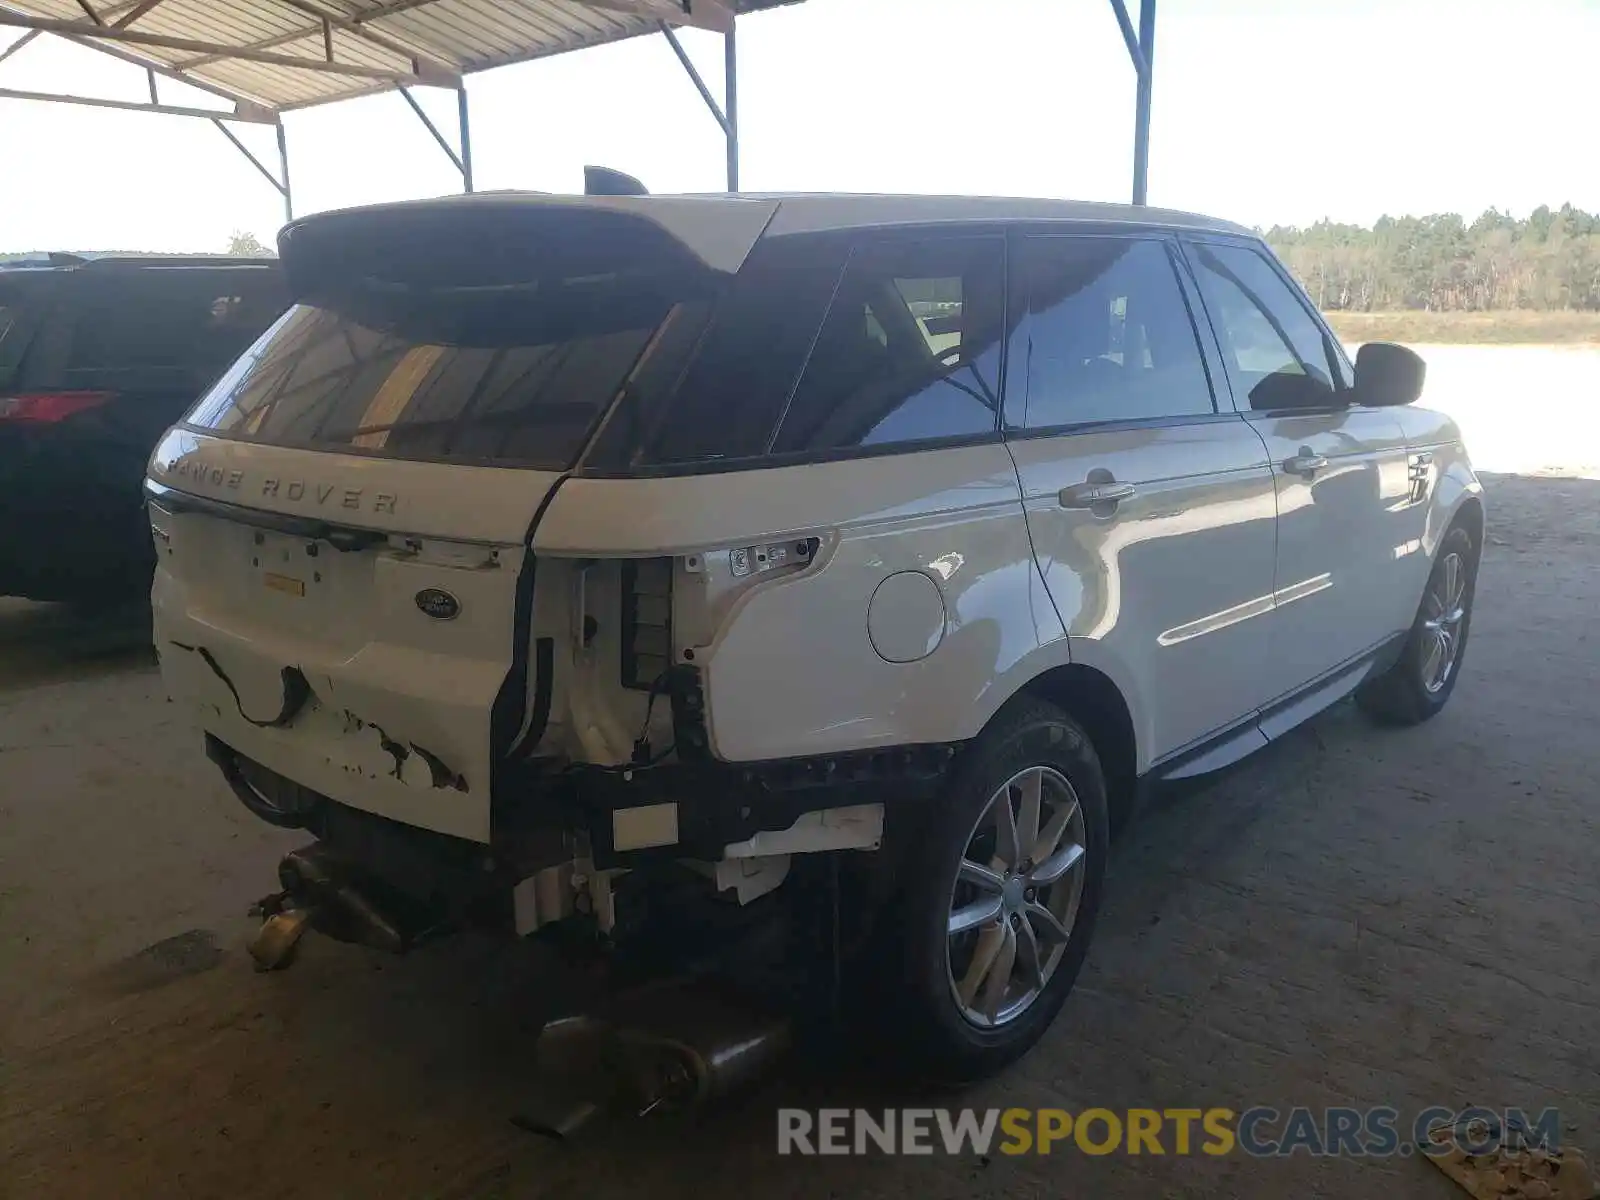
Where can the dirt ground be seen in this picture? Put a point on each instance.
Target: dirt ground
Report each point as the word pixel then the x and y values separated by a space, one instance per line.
pixel 1355 916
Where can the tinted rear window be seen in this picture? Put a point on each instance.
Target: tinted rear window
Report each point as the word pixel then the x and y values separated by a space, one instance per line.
pixel 514 376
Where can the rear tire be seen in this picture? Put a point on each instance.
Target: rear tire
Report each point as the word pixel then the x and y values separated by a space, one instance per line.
pixel 1419 685
pixel 1023 902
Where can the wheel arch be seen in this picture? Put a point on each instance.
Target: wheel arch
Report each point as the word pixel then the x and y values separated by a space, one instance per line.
pixel 1469 516
pixel 1093 700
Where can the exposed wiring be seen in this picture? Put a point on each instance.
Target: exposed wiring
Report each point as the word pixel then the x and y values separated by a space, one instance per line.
pixel 642 759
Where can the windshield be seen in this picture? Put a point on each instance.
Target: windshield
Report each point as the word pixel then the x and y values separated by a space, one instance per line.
pixel 498 375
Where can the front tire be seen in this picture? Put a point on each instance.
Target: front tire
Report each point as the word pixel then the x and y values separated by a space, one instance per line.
pixel 1419 685
pixel 1003 896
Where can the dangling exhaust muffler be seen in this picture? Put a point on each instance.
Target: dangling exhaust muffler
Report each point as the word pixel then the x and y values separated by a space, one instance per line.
pixel 320 891
pixel 671 1047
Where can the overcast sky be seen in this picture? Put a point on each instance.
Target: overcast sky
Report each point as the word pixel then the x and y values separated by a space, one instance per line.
pixel 1265 111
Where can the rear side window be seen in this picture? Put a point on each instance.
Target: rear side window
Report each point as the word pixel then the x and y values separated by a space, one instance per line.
pixel 515 375
pixel 728 401
pixel 1278 355
pixel 183 323
pixel 825 344
pixel 1110 337
pixel 22 312
pixel 8 352
pixel 909 352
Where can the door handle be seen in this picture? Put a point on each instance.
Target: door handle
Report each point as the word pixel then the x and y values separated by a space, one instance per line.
pixel 1088 495
pixel 1305 463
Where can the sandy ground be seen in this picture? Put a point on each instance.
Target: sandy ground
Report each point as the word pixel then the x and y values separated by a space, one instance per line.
pixel 1356 917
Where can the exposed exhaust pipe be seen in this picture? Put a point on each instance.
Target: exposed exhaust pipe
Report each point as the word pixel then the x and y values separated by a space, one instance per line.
pixel 319 891
pixel 672 1047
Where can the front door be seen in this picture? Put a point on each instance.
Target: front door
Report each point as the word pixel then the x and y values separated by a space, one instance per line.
pixel 1151 511
pixel 1340 470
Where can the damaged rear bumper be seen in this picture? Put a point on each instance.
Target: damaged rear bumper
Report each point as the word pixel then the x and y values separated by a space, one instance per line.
pixel 608 818
pixel 396 734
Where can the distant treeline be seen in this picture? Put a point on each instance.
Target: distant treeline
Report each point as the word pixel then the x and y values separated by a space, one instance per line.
pixel 1549 261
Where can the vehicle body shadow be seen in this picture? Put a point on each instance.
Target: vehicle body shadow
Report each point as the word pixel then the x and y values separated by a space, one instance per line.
pixel 56 643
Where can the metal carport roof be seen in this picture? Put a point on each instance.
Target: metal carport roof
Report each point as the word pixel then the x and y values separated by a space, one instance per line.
pixel 286 54
pixel 267 57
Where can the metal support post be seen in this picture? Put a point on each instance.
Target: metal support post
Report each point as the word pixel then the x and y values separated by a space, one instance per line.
pixel 727 113
pixel 462 161
pixel 730 104
pixel 283 164
pixel 279 182
pixel 464 129
pixel 1141 119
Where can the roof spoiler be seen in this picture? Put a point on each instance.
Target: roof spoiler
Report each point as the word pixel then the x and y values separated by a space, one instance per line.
pixel 603 181
pixel 491 239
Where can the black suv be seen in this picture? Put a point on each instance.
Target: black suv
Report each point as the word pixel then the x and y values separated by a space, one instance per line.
pixel 98 356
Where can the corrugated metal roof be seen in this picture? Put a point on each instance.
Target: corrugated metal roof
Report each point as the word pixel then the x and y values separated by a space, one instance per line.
pixel 276 53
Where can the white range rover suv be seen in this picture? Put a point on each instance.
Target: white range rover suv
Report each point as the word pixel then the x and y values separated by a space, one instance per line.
pixel 571 561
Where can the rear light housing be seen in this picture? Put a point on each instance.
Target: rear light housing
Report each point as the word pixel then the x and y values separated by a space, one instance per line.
pixel 646 622
pixel 46 408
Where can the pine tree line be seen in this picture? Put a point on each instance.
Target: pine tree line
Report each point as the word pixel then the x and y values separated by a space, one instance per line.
pixel 1548 261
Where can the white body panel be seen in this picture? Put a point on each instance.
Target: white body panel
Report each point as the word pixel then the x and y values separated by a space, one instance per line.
pixel 381 672
pixel 1170 590
pixel 493 505
pixel 1442 473
pixel 790 668
pixel 1343 545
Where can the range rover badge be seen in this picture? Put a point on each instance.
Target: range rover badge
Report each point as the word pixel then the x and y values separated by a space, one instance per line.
pixel 438 604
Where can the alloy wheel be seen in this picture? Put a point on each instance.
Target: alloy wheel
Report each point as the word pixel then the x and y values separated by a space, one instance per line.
pixel 1444 613
pixel 1016 896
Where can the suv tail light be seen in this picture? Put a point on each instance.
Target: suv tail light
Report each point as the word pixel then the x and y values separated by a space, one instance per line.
pixel 44 408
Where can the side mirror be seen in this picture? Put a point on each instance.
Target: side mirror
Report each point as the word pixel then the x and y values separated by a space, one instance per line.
pixel 1387 374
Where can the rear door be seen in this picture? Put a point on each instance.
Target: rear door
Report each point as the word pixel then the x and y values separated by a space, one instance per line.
pixel 1151 511
pixel 17 318
pixel 342 521
pixel 1340 469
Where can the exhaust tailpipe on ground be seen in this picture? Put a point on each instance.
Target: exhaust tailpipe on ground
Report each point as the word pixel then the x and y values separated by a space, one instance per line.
pixel 320 891
pixel 668 1048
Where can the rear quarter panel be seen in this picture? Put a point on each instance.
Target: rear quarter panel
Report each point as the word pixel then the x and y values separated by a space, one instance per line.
pixel 792 668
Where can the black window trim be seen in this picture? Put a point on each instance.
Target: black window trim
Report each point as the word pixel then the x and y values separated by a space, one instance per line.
pixel 811 348
pixel 1020 430
pixel 1083 427
pixel 1344 396
pixel 795 458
